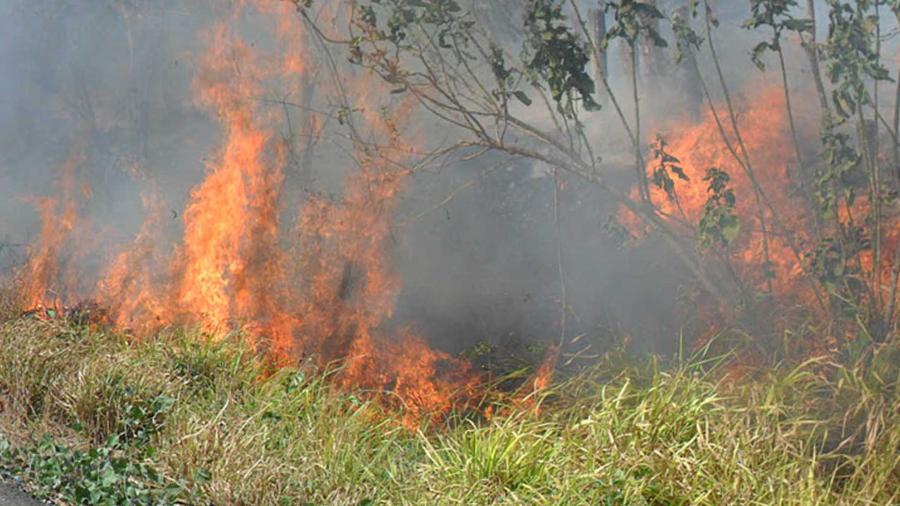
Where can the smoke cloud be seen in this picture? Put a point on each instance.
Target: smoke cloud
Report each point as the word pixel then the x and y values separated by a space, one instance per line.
pixel 475 243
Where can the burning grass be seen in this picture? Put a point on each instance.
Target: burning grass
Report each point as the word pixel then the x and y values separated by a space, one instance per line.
pixel 321 285
pixel 180 417
pixel 297 386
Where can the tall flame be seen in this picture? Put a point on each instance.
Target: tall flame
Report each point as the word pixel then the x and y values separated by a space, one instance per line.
pixel 764 128
pixel 324 288
pixel 764 131
pixel 45 283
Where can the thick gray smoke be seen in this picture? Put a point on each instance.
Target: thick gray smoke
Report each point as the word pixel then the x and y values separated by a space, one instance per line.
pixel 476 242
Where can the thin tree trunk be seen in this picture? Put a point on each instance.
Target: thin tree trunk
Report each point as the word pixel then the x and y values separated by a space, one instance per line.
pixel 563 292
pixel 865 145
pixel 804 177
pixel 598 28
pixel 875 167
pixel 640 170
pixel 896 134
pixel 758 191
pixel 812 52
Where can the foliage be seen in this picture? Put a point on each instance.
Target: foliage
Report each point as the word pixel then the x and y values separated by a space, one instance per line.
pixel 837 182
pixel 101 475
pixel 839 179
pixel 555 54
pixel 845 201
pixel 687 41
pixel 851 192
pixel 666 165
pixel 633 19
pixel 719 225
pixel 775 14
pixel 394 26
pixel 179 418
pixel 851 55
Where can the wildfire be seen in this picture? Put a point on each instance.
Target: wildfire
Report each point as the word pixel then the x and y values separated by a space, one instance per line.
pixel 786 202
pixel 318 281
pixel 350 287
pixel 323 287
pixel 543 376
pixel 131 285
pixel 45 282
pixel 764 129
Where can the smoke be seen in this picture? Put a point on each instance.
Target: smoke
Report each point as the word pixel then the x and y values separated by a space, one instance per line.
pixel 474 243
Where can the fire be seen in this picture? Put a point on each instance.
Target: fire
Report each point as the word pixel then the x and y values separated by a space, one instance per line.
pixel 231 258
pixel 323 287
pixel 764 129
pixel 543 376
pixel 45 283
pixel 350 287
pixel 787 206
pixel 130 286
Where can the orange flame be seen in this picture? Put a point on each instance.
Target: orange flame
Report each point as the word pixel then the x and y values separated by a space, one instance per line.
pixel 766 136
pixel 44 282
pixel 330 293
pixel 764 127
pixel 130 286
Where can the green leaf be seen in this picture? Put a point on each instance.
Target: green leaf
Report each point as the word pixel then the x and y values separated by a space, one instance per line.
pixel 202 476
pixel 731 227
pixel 108 477
pixel 522 97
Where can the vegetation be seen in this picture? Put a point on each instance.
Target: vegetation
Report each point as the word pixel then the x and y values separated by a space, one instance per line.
pixel 95 417
pixel 530 97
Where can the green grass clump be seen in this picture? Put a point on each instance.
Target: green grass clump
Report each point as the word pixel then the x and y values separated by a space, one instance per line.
pixel 99 417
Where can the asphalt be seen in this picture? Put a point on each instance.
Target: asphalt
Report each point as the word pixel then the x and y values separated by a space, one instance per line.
pixel 11 495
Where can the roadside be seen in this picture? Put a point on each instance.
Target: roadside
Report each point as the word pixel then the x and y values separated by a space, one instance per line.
pixel 12 495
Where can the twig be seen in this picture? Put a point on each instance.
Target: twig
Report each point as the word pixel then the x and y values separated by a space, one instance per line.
pixel 812 52
pixel 758 191
pixel 563 292
pixel 449 197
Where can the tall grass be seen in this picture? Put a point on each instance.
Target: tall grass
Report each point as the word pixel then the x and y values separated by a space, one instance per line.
pixel 212 422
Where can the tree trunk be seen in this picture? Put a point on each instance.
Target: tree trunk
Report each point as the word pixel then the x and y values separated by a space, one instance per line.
pixel 598 33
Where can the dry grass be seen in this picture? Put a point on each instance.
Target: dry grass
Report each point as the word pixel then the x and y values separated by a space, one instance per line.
pixel 10 301
pixel 235 432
